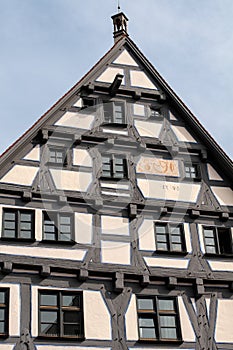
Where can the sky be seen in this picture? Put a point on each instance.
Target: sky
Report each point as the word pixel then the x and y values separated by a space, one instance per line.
pixel 46 46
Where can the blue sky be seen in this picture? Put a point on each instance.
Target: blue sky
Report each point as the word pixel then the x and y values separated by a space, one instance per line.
pixel 47 45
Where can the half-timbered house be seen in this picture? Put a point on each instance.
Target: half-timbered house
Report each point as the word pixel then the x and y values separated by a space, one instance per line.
pixel 116 212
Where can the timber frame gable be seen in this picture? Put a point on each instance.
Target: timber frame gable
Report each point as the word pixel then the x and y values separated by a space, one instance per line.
pixel 116 219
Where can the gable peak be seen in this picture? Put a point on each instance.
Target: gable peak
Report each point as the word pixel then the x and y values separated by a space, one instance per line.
pixel 120 28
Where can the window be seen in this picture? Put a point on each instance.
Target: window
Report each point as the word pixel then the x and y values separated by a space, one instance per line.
pixel 61 314
pixel 158 319
pixel 57 156
pixel 114 112
pixel 218 240
pixel 18 224
pixel 169 237
pixel 155 111
pixel 114 166
pixel 58 227
pixel 192 171
pixel 4 311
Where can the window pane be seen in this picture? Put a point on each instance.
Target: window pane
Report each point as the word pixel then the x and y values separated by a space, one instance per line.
pixel 177 247
pixel 162 246
pixel 146 322
pixel 161 238
pixel 49 329
pixel 167 321
pixel 160 229
pixel 49 316
pixel 65 228
pixel 48 299
pixel 65 220
pixel 25 234
pixel 71 300
pixel 176 239
pixel 210 250
pixel 9 216
pixel 26 217
pixel 209 233
pixel 168 333
pixel 71 317
pixel 9 225
pixel 2 314
pixel 50 237
pixel 2 327
pixel 147 333
pixel 165 304
pixel 2 298
pixel 210 241
pixel 74 330
pixel 145 304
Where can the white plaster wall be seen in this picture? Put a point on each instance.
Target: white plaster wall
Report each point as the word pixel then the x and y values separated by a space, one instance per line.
pixel 131 320
pixel 71 180
pixel 224 195
pixel 115 225
pixel 172 117
pixel 201 238
pixel 187 235
pixel 42 252
pixel 213 175
pixel 83 228
pixel 118 185
pixel 221 265
pixel 6 346
pixel 14 308
pixel 115 252
pixel 223 330
pixel 109 75
pixel 140 79
pixel 115 131
pixel 146 235
pixel 148 129
pixel 38 225
pixel 76 120
pixel 34 154
pixel 126 59
pixel 185 192
pixel 182 134
pixel 78 103
pixel 138 109
pixel 97 319
pixel 81 157
pixel 74 347
pixel 185 323
pixel 20 175
pixel 175 263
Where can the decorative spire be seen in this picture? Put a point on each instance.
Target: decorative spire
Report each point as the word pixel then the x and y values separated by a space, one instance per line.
pixel 120 24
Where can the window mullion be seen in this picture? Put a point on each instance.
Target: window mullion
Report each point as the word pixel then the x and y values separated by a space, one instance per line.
pixel 157 323
pixel 61 330
pixel 168 235
pixel 217 240
pixel 113 168
pixel 18 223
pixel 57 226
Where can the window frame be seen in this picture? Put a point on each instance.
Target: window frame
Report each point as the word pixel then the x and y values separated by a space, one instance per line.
pixel 112 118
pixel 196 167
pixel 168 233
pixel 112 165
pixel 155 314
pixel 57 149
pixel 59 308
pixel 18 223
pixel 5 306
pixel 217 246
pixel 56 217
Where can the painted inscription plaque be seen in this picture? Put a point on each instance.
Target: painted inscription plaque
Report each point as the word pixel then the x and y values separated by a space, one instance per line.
pixel 157 166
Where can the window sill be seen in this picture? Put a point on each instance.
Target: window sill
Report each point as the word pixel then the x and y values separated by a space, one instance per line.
pixel 161 341
pixel 115 179
pixel 166 252
pixel 219 256
pixel 115 125
pixel 63 243
pixel 65 338
pixel 8 239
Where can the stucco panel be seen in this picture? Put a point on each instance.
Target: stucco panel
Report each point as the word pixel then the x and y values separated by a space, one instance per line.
pixel 223 330
pixel 115 252
pixel 146 235
pixel 126 59
pixel 115 225
pixel 140 79
pixel 20 175
pixel 81 157
pixel 131 320
pixel 34 154
pixel 71 180
pixel 76 120
pixel 185 323
pixel 148 129
pixel 83 228
pixel 97 320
